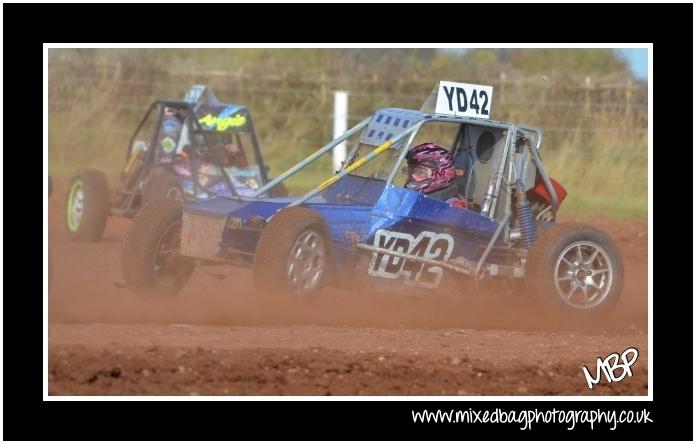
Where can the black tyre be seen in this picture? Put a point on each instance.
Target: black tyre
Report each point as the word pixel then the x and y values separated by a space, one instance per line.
pixel 87 206
pixel 293 256
pixel 576 269
pixel 151 262
pixel 162 184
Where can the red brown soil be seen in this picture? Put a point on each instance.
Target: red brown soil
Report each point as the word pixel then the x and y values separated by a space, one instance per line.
pixel 215 338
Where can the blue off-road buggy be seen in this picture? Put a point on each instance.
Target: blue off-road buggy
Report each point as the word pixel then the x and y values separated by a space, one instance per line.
pixel 362 229
pixel 185 150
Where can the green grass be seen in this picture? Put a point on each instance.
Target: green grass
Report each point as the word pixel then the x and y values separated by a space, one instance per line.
pixel 611 182
pixel 609 206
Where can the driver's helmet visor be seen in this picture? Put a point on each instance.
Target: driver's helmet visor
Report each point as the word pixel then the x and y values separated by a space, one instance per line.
pixel 420 173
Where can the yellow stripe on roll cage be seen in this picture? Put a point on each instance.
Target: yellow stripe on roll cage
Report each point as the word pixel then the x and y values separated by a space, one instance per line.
pixel 357 164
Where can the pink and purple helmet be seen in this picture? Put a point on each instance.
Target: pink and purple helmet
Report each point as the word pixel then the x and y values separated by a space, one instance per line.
pixel 430 168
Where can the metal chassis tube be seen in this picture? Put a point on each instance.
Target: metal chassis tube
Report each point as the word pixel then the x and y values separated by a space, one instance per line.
pixel 358 163
pixel 311 158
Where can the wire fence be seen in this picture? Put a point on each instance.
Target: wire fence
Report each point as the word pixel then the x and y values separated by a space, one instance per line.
pixel 595 129
pixel 105 103
pixel 83 81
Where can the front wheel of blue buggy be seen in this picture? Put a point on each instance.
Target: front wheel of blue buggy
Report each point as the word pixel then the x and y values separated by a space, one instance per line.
pixel 293 256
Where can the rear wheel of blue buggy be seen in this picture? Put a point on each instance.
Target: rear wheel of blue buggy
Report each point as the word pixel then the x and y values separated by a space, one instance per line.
pixel 293 256
pixel 576 270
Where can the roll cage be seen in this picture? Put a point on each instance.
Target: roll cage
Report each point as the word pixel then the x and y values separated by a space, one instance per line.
pixel 514 134
pixel 201 138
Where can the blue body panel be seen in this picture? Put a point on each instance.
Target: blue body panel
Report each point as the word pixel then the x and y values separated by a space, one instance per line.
pixel 412 235
pixel 408 211
pixel 355 209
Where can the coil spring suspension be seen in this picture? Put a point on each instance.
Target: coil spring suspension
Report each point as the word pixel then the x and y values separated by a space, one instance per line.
pixel 523 210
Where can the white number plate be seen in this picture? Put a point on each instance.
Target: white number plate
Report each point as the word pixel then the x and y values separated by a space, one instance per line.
pixel 464 99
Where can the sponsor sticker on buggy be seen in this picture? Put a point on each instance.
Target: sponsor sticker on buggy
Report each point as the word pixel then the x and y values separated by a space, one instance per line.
pixel 464 99
pixel 427 245
pixel 168 144
pixel 226 119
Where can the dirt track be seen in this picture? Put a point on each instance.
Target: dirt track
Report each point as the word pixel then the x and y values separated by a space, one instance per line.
pixel 216 339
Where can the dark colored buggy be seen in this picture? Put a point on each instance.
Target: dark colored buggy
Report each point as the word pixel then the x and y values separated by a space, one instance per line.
pixel 186 150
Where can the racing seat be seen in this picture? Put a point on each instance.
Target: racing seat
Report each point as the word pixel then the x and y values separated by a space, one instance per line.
pixel 464 163
pixel 464 179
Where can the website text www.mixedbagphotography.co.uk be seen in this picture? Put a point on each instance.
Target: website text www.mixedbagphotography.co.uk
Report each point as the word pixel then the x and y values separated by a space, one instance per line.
pixel 527 418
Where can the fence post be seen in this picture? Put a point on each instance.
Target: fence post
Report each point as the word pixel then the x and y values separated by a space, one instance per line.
pixel 340 126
